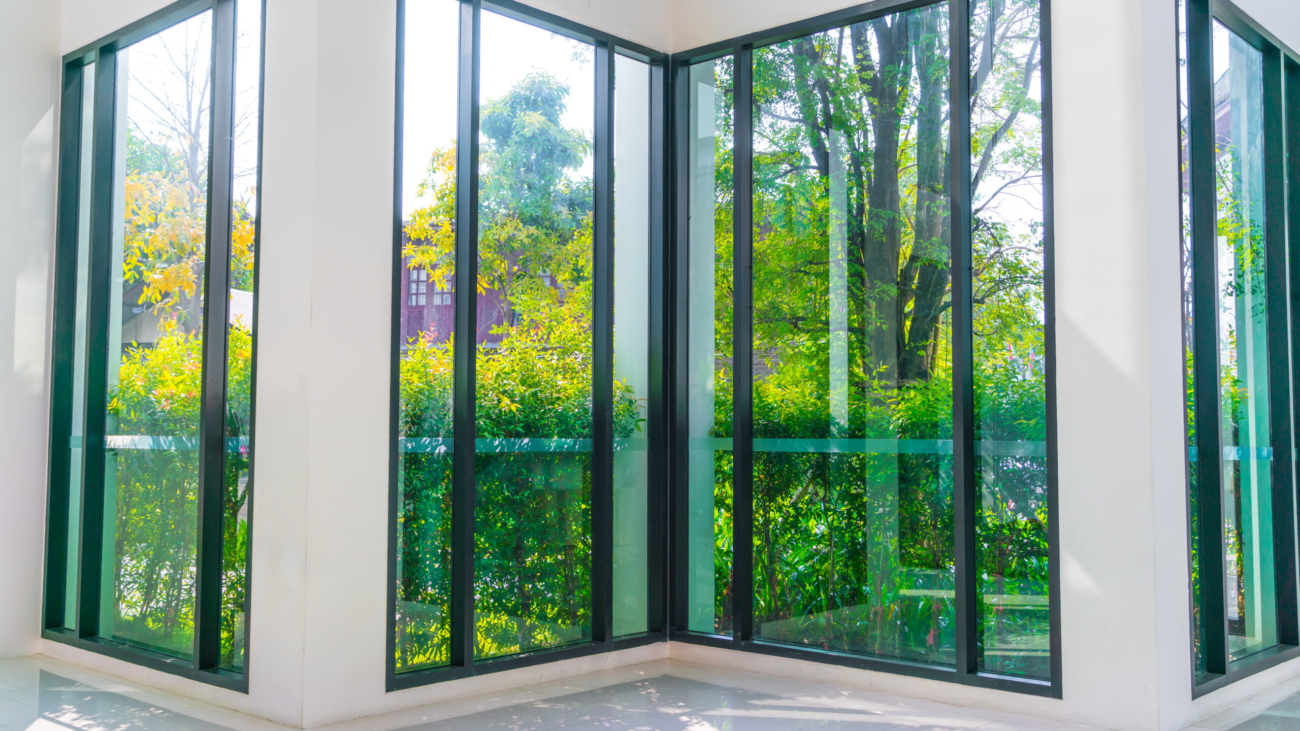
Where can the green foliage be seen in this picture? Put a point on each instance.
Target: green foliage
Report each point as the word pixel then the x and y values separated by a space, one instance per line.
pixel 157 400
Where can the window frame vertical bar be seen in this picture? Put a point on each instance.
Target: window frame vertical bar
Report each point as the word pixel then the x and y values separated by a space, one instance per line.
pixel 395 353
pixel 1200 136
pixel 1283 487
pixel 743 347
pixel 63 336
pixel 1049 337
pixel 465 345
pixel 679 494
pixel 658 549
pixel 216 288
pixel 602 362
pixel 1291 106
pixel 965 490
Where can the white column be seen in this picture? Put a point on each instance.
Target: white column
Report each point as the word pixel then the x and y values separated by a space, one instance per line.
pixel 28 129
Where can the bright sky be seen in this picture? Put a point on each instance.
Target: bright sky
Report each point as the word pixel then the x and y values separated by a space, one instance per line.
pixel 510 50
pixel 152 64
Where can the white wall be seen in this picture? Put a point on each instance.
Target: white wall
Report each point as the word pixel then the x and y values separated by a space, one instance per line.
pixel 29 89
pixel 647 22
pixel 1107 423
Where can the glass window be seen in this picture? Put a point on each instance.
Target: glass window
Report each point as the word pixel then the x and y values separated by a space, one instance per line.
pixel 425 392
pixel 1009 340
pixel 532 522
pixel 1244 427
pixel 709 579
pixel 239 369
pixel 631 345
pixel 852 483
pixel 155 339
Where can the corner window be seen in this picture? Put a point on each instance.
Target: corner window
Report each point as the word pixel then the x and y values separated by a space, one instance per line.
pixel 865 279
pixel 1238 361
pixel 525 443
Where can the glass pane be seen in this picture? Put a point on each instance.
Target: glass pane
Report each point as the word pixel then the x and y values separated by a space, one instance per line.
pixel 1189 372
pixel 631 344
pixel 853 521
pixel 239 354
pixel 532 560
pixel 708 380
pixel 155 339
pixel 78 421
pixel 1013 630
pixel 425 396
pixel 1243 345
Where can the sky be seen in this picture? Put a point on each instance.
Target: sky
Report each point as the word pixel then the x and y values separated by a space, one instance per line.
pixel 152 64
pixel 510 50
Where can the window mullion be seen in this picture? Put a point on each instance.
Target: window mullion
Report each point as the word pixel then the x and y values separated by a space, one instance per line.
pixel 965 490
pixel 742 363
pixel 216 306
pixel 602 493
pixel 466 314
pixel 1203 208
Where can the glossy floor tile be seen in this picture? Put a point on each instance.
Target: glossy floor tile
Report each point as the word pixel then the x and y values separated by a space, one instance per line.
pixel 1276 709
pixel 37 694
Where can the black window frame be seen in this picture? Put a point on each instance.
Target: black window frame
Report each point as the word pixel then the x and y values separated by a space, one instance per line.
pixel 966 490
pixel 1281 111
pixel 204 666
pixel 606 46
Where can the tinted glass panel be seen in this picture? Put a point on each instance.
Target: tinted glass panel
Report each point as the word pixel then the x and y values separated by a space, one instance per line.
pixel 631 344
pixel 708 547
pixel 1243 345
pixel 155 338
pixel 1013 631
pixel 532 510
pixel 853 522
pixel 78 421
pixel 425 301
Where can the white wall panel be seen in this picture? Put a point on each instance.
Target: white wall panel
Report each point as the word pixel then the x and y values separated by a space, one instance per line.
pixel 29 89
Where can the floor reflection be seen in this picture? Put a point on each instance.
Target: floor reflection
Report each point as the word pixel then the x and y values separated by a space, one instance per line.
pixel 67 704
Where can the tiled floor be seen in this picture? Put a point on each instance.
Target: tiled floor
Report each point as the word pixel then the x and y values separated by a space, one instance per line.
pixel 37 694
pixel 1276 709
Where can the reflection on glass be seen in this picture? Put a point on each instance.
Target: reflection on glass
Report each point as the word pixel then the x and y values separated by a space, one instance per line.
pixel 631 344
pixel 852 363
pixel 76 437
pixel 155 339
pixel 425 298
pixel 1243 345
pixel 532 562
pixel 238 488
pixel 709 351
pixel 1189 351
pixel 1013 630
